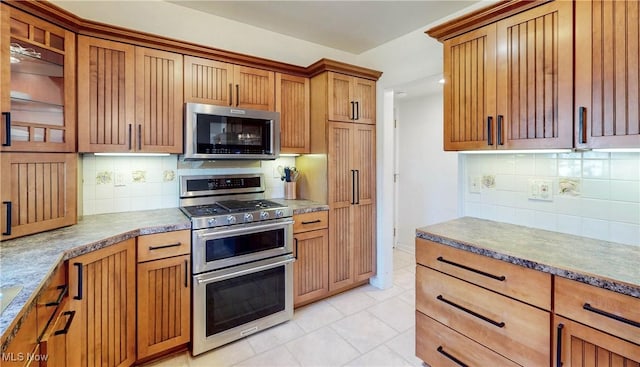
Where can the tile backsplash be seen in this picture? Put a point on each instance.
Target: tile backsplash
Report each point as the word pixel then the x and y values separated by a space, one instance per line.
pixel 591 194
pixel 118 184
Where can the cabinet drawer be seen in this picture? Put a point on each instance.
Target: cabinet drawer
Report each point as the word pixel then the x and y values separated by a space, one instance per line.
pixel 511 328
pixel 438 345
pixel 508 279
pixel 161 245
pixel 51 297
pixel 598 308
pixel 310 221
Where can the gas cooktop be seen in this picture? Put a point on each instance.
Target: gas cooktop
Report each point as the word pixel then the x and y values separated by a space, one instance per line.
pixel 229 206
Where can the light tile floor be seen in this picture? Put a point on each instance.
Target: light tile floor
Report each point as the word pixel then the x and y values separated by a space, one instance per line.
pixel 365 326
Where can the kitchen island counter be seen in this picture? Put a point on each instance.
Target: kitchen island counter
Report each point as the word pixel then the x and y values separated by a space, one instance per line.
pixel 603 264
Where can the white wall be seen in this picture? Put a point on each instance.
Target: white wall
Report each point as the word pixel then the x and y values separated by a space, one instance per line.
pixel 428 176
pixel 607 207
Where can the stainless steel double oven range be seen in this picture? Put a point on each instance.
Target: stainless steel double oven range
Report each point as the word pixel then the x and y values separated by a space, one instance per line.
pixel 242 258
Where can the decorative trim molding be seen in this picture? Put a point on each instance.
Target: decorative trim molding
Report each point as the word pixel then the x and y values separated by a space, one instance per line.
pixel 65 19
pixel 481 17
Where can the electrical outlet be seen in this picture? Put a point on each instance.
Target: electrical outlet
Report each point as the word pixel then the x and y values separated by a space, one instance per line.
pixel 540 190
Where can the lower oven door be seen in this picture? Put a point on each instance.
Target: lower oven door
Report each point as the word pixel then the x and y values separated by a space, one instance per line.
pixel 231 303
pixel 221 247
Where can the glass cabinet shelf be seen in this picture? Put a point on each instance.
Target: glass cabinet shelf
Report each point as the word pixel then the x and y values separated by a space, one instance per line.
pixel 21 63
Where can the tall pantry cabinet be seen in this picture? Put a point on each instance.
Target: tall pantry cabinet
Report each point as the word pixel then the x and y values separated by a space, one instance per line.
pixel 343 142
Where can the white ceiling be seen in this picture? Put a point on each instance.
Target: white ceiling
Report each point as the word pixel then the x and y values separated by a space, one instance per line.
pixel 352 26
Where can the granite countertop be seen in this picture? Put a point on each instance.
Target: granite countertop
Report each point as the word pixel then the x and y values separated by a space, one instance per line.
pixel 303 206
pixel 607 265
pixel 29 261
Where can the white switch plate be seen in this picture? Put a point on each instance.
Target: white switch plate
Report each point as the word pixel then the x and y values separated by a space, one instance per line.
pixel 119 179
pixel 540 190
pixel 475 184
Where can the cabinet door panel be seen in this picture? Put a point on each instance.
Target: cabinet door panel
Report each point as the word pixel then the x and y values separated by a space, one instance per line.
pixel 340 248
pixel 105 95
pixel 365 97
pixel 207 81
pixel 41 189
pixel 534 91
pixel 38 92
pixel 364 159
pixel 340 90
pixel 311 277
pixel 292 101
pixel 340 165
pixel 364 241
pixel 164 306
pixel 469 90
pixel 607 74
pixel 582 346
pixel 254 88
pixel 158 101
pixel 106 311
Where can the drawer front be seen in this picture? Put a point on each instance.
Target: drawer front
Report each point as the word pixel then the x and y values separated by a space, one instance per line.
pixel 51 297
pixel 439 346
pixel 502 277
pixel 162 245
pixel 511 328
pixel 599 308
pixel 310 221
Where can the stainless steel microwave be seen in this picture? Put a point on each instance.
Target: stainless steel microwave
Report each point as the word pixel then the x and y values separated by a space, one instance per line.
pixel 217 132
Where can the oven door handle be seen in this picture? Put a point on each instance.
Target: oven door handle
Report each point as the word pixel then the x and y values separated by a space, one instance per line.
pixel 226 231
pixel 246 271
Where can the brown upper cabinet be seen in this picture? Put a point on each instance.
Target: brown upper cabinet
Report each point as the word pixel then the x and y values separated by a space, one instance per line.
pixel 37 84
pixel 508 85
pixel 607 112
pixel 351 99
pixel 129 98
pixel 224 84
pixel 292 101
pixel 38 192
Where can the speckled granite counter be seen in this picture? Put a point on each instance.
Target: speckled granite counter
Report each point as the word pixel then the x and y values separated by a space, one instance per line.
pixel 303 206
pixel 603 264
pixel 30 260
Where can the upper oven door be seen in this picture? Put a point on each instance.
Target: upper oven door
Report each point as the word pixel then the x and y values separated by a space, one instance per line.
pixel 216 248
pixel 214 132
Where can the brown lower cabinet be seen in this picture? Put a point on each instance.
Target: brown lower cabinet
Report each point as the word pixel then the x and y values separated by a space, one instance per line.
pixel 103 296
pixel 311 268
pixel 579 345
pixel 164 292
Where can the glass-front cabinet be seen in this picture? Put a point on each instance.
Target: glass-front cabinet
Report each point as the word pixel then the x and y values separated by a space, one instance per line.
pixel 37 81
